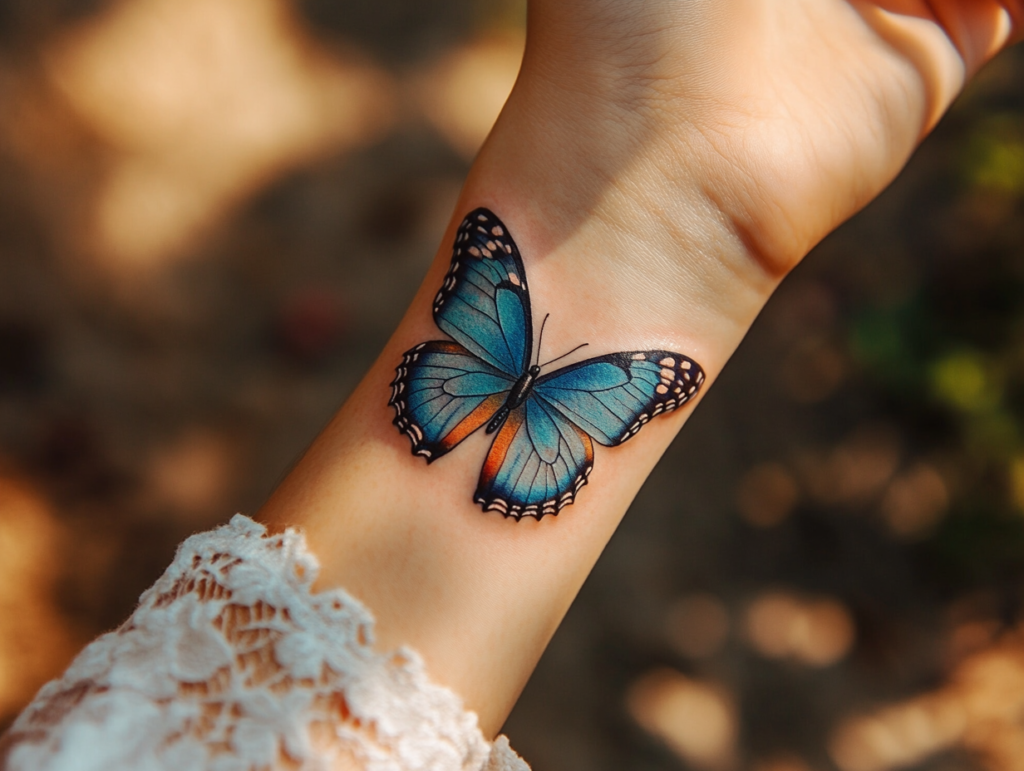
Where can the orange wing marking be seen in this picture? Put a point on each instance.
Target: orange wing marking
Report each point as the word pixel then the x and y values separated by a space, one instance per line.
pixel 496 457
pixel 501 444
pixel 472 421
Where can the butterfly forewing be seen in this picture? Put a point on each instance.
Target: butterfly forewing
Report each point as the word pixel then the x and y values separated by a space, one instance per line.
pixel 611 397
pixel 484 303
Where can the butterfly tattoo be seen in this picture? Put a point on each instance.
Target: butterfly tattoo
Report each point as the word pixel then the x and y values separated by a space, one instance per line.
pixel 486 377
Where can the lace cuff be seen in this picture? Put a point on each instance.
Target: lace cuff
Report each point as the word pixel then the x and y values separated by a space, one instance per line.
pixel 230 663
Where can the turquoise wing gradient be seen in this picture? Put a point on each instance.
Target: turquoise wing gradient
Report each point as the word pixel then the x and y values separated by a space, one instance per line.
pixel 611 397
pixel 543 450
pixel 484 303
pixel 537 463
pixel 442 393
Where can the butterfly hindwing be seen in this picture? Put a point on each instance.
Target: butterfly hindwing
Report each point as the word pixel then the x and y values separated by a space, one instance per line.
pixel 538 462
pixel 484 303
pixel 442 393
pixel 611 397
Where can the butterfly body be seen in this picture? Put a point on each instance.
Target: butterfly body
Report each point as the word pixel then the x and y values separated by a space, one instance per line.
pixel 544 425
pixel 518 394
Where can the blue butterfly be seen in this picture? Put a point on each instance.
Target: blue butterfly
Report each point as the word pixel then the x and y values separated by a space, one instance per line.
pixel 546 425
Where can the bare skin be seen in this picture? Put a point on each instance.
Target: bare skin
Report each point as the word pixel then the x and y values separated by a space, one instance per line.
pixel 662 168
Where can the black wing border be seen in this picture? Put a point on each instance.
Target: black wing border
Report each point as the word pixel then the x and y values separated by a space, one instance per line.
pixel 482 217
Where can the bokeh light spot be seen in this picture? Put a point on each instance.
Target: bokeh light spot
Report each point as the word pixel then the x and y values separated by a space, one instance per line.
pixel 899 735
pixel 813 371
pixel 965 381
pixel 767 494
pixel 696 720
pixel 814 632
pixel 201 102
pixel 697 625
pixel 854 472
pixel 35 640
pixel 995 158
pixel 464 93
pixel 193 473
pixel 781 763
pixel 915 501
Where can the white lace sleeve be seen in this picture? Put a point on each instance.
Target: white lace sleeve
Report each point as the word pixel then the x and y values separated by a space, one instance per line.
pixel 231 663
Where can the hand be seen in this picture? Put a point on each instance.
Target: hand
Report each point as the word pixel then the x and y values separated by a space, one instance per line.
pixel 788 116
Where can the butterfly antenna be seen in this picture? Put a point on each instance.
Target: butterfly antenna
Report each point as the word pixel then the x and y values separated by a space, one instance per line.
pixel 540 338
pixel 582 345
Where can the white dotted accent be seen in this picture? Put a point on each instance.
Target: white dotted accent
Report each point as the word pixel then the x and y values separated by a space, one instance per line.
pixel 537 510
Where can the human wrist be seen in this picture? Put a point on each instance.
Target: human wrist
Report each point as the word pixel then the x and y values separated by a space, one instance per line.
pixel 622 259
pixel 651 251
pixel 410 540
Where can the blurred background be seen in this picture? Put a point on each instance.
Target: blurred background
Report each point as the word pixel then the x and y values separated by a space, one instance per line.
pixel 212 214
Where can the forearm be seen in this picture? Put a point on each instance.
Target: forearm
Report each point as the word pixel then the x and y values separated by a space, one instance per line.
pixel 477 594
pixel 657 200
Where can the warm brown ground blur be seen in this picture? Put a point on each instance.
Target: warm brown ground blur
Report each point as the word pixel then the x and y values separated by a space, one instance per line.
pixel 212 213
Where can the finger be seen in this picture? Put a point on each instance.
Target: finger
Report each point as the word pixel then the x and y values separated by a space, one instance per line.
pixel 1014 10
pixel 979 28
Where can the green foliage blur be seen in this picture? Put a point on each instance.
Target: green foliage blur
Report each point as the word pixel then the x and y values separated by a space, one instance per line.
pixel 945 355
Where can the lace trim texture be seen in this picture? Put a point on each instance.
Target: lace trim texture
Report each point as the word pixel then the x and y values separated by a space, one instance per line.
pixel 231 663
